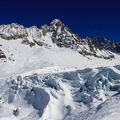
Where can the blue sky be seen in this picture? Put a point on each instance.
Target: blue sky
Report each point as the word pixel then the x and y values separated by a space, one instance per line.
pixel 84 17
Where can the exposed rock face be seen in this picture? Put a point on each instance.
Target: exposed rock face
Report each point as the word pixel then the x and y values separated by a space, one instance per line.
pixel 2 55
pixel 12 31
pixel 64 37
pixel 61 36
pixel 107 44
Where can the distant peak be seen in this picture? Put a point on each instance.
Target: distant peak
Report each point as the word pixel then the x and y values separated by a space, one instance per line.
pixel 12 25
pixel 102 37
pixel 56 20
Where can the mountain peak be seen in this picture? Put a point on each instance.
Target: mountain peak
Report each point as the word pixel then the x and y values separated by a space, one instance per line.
pixel 106 44
pixel 60 35
pixel 55 21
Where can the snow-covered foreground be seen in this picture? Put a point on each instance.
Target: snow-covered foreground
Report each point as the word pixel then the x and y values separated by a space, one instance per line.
pixel 81 94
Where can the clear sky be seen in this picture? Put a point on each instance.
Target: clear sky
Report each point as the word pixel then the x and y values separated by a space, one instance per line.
pixel 84 17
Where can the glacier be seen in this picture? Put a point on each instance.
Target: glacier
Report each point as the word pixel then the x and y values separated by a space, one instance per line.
pixel 58 95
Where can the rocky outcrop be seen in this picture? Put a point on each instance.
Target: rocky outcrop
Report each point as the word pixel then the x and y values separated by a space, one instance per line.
pixel 107 44
pixel 64 37
pixel 12 31
pixel 2 55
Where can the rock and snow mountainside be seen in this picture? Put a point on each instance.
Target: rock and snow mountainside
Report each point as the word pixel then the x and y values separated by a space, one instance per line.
pixel 60 35
pixel 52 74
pixel 107 44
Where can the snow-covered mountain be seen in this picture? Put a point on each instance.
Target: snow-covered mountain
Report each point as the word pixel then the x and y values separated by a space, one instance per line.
pixel 50 73
pixel 107 44
pixel 60 35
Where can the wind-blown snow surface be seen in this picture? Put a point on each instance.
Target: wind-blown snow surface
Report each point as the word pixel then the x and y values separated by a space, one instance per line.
pixel 83 94
pixel 22 58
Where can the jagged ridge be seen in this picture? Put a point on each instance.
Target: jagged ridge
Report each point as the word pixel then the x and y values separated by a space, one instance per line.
pixel 61 36
pixel 107 44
